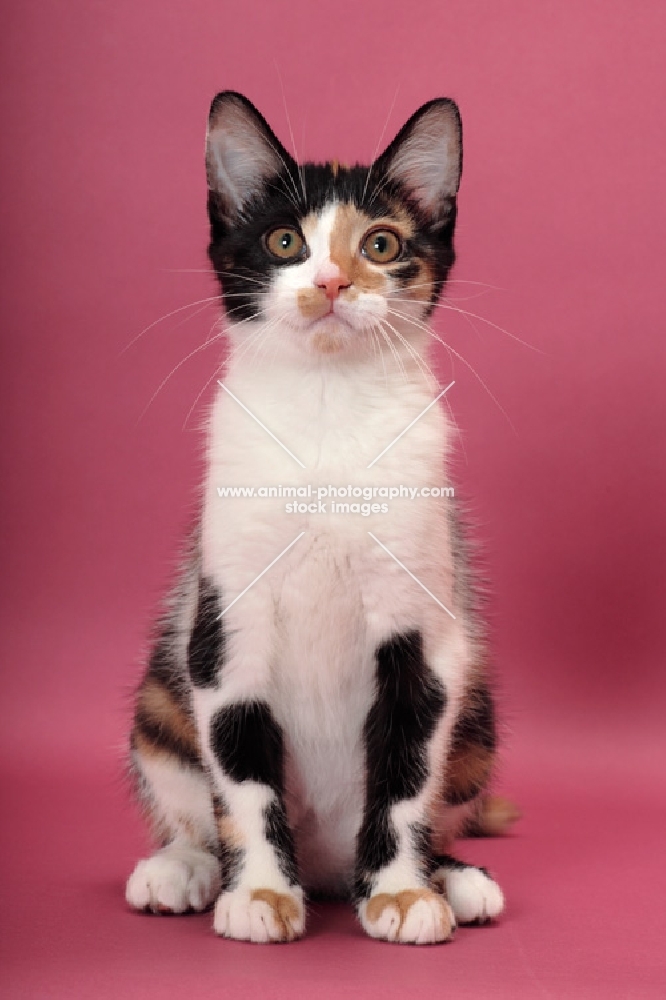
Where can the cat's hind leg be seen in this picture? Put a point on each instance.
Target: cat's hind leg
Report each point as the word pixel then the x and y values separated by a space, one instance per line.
pixel 185 873
pixel 472 894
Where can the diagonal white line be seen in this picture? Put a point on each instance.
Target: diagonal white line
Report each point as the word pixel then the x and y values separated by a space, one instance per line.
pixel 415 578
pixel 260 575
pixel 270 433
pixel 415 420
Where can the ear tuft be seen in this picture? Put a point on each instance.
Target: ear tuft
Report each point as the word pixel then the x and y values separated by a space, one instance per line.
pixel 242 153
pixel 426 155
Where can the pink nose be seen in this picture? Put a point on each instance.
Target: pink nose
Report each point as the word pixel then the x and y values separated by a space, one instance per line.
pixel 332 282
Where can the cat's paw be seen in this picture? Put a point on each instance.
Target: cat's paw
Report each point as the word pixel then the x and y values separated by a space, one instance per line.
pixel 413 916
pixel 260 915
pixel 473 896
pixel 174 880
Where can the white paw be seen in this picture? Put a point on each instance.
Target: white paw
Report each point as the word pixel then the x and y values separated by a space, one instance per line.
pixel 260 914
pixel 472 894
pixel 413 916
pixel 174 880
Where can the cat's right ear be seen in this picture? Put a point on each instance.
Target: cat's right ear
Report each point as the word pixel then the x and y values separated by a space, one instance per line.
pixel 242 153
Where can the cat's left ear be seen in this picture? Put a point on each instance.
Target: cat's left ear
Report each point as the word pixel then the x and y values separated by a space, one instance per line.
pixel 425 157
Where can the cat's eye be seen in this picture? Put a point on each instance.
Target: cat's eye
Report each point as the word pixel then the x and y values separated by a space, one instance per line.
pixel 381 246
pixel 285 242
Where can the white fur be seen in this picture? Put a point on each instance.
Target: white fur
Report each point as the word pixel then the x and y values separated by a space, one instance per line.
pixel 239 916
pixel 472 894
pixel 184 798
pixel 176 879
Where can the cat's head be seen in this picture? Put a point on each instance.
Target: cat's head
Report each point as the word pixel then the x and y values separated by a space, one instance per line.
pixel 329 259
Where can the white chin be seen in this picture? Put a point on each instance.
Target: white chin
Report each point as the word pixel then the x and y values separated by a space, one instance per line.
pixel 329 335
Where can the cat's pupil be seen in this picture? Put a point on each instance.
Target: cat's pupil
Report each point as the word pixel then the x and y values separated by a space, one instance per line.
pixel 381 244
pixel 286 241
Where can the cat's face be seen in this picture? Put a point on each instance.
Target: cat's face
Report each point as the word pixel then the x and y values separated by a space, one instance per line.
pixel 328 260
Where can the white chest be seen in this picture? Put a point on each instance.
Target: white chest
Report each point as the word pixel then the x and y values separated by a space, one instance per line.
pixel 336 594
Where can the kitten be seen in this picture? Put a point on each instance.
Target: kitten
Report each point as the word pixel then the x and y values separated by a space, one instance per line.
pixel 310 718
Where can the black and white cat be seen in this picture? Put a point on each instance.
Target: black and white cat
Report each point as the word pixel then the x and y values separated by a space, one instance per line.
pixel 311 718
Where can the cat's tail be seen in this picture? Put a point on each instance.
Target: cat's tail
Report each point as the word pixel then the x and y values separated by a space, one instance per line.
pixel 493 817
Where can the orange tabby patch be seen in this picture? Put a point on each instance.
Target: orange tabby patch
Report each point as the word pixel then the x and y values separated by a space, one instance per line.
pixel 348 228
pixel 285 911
pixel 229 832
pixel 312 303
pixel 495 816
pixel 326 343
pixel 422 285
pixel 402 902
pixel 469 769
pixel 158 705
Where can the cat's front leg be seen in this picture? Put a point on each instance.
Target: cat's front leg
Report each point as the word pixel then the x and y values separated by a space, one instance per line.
pixel 243 746
pixel 404 732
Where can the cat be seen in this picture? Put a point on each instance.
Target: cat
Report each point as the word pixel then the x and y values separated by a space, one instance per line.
pixel 316 712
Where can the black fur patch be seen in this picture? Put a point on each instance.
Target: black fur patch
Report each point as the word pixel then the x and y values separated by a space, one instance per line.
pixel 454 864
pixel 476 724
pixel 231 858
pixel 247 743
pixel 162 738
pixel 243 265
pixel 206 648
pixel 280 837
pixel 422 841
pixel 163 665
pixel 448 861
pixel 410 701
pixel 376 847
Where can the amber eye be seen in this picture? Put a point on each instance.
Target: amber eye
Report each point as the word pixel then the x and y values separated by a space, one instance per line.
pixel 285 242
pixel 381 246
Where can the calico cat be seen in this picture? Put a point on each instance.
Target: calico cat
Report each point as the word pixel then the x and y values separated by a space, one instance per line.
pixel 316 713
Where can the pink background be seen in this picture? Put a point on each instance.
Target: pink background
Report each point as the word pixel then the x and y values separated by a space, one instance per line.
pixel 562 212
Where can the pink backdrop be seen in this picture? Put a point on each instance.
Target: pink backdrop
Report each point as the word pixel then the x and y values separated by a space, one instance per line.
pixel 562 216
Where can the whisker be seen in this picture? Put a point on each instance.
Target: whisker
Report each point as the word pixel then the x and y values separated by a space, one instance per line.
pixel 421 364
pixel 381 353
pixel 488 322
pixel 451 350
pixel 242 276
pixel 394 351
pixel 379 142
pixel 207 343
pixel 301 173
pixel 246 275
pixel 281 186
pixel 173 371
pixel 379 187
pixel 254 335
pixel 261 342
pixel 174 312
pixel 460 281
pixel 200 394
pixel 281 159
pixel 444 304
